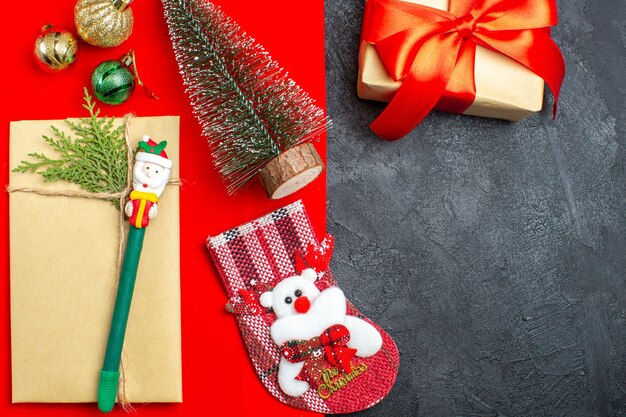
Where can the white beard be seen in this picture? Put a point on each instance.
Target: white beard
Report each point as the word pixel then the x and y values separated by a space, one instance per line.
pixel 154 185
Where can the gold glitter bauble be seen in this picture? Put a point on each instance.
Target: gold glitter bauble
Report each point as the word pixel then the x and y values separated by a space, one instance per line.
pixel 104 23
pixel 55 49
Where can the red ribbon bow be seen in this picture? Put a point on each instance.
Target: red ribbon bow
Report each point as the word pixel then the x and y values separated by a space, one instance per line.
pixel 433 51
pixel 333 342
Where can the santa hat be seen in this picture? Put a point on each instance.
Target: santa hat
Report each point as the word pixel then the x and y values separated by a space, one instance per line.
pixel 153 152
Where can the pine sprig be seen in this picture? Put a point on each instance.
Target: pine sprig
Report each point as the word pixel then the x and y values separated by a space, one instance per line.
pixel 249 109
pixel 96 159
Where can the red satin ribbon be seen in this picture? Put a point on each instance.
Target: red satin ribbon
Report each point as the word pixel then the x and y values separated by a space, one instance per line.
pixel 432 52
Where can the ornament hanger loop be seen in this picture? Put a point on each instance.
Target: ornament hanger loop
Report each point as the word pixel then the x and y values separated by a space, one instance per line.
pixel 128 59
pixel 121 4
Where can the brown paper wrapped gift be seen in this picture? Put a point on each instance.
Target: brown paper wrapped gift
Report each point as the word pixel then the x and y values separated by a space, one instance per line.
pixel 505 89
pixel 64 253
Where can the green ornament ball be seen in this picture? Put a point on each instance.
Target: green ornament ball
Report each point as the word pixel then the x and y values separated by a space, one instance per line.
pixel 112 82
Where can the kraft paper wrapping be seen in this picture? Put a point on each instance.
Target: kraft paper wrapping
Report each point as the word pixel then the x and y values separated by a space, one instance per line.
pixel 505 89
pixel 63 283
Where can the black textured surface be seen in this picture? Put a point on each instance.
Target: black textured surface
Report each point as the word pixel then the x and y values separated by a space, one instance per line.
pixel 494 253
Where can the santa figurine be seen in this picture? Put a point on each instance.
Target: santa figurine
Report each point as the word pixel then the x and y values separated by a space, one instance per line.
pixel 151 173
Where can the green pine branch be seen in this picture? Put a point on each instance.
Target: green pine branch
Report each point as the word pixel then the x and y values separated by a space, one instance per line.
pixel 95 159
pixel 249 109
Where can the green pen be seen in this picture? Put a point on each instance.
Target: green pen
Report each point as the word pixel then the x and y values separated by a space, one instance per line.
pixel 151 173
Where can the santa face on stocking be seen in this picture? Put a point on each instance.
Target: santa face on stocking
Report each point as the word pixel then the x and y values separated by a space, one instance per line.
pixel 151 174
pixel 309 319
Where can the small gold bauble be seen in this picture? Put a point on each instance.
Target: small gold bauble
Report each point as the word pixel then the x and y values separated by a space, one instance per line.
pixel 55 49
pixel 104 23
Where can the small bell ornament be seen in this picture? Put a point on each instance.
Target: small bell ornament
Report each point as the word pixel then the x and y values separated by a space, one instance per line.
pixel 104 23
pixel 55 49
pixel 113 82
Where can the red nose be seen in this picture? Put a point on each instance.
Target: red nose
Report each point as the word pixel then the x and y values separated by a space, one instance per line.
pixel 302 305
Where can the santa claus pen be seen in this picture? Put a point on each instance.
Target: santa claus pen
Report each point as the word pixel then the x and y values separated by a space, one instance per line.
pixel 151 173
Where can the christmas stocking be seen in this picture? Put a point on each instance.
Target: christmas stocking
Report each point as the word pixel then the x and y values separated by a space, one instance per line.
pixel 309 345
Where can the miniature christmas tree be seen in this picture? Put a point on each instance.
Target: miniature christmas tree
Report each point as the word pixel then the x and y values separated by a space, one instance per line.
pixel 256 119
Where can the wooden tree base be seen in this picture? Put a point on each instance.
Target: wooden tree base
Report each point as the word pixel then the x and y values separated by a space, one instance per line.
pixel 291 171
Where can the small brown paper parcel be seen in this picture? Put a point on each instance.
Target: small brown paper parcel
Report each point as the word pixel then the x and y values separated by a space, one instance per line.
pixel 505 89
pixel 64 255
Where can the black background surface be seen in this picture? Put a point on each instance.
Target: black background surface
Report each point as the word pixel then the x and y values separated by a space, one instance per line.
pixel 493 252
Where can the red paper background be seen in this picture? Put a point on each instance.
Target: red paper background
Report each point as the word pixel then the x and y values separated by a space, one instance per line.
pixel 217 376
